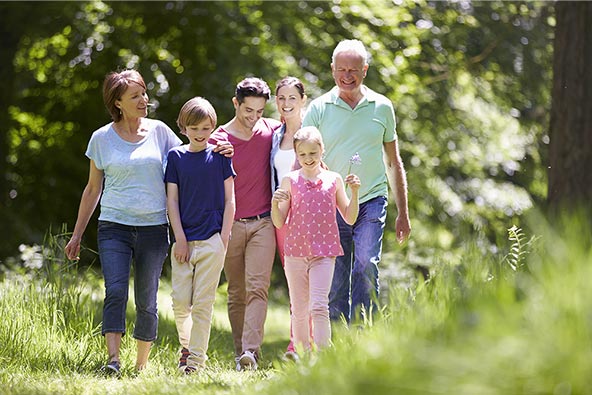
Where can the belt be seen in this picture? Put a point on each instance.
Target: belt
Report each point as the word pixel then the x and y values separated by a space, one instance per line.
pixel 255 217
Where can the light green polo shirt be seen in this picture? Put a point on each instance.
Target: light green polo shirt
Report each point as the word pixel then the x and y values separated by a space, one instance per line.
pixel 361 130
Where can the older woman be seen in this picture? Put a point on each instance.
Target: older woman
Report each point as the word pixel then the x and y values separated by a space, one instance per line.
pixel 127 155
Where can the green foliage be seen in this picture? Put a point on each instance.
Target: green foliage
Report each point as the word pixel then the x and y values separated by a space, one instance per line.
pixel 470 82
pixel 520 247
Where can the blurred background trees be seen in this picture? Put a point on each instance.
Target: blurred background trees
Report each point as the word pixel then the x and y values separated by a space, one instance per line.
pixel 471 83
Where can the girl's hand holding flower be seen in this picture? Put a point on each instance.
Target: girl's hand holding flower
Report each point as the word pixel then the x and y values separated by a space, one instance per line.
pixel 353 181
pixel 354 160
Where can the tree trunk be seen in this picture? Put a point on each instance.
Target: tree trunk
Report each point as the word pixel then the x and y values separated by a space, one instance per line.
pixel 570 150
pixel 10 38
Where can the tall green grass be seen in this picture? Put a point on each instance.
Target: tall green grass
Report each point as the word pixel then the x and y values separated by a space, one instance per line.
pixel 515 322
pixel 51 343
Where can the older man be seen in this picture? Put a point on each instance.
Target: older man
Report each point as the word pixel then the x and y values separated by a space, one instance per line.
pixel 357 122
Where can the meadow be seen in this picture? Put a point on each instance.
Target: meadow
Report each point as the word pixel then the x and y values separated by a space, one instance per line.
pixel 514 321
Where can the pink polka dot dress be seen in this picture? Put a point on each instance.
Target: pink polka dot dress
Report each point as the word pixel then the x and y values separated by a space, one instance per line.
pixel 312 225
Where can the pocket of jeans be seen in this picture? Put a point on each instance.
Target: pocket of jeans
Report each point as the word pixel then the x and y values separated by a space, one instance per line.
pixel 106 230
pixel 106 225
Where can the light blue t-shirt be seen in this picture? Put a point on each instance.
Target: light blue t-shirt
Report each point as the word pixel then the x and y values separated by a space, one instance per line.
pixel 134 191
pixel 362 130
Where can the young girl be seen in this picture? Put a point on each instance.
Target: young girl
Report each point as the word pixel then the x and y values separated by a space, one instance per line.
pixel 311 196
pixel 290 100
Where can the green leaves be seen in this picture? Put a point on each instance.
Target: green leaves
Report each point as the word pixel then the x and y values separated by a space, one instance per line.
pixel 520 248
pixel 470 82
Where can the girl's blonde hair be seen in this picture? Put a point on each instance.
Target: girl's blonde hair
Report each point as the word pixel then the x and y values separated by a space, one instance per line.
pixel 309 133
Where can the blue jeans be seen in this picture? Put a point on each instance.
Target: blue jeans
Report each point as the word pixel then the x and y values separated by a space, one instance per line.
pixel 147 246
pixel 355 280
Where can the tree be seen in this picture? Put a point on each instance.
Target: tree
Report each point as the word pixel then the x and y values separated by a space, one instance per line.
pixel 470 82
pixel 570 156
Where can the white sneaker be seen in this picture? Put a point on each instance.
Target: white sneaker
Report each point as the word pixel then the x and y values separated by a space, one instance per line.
pixel 248 360
pixel 237 364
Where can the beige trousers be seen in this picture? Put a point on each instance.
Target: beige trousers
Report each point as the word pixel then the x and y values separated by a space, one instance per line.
pixel 194 290
pixel 248 264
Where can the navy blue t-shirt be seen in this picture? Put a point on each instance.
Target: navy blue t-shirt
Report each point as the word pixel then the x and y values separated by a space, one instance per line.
pixel 200 179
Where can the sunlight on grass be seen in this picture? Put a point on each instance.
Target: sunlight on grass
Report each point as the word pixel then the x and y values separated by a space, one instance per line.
pixel 517 322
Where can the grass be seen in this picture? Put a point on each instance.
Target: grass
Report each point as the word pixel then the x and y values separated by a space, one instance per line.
pixel 515 322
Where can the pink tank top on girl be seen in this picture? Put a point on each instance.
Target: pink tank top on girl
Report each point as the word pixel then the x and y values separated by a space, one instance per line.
pixel 312 225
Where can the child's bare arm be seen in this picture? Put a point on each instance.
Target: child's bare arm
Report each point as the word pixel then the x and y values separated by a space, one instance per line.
pixel 280 203
pixel 181 250
pixel 229 210
pixel 348 207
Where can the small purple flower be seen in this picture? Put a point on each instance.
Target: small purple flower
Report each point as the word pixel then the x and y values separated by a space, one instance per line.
pixel 354 160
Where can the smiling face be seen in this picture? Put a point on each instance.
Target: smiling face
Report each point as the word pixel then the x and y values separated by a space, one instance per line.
pixel 133 102
pixel 199 134
pixel 309 154
pixel 289 102
pixel 349 71
pixel 249 111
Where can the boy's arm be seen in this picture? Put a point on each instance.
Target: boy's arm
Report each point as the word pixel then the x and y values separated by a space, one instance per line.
pixel 229 210
pixel 181 250
pixel 280 203
pixel 348 207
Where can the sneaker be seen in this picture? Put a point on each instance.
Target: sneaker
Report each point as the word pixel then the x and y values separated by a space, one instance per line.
pixel 189 370
pixel 237 364
pixel 291 356
pixel 248 360
pixel 183 360
pixel 113 368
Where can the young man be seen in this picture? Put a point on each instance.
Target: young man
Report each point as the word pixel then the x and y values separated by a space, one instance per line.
pixel 251 250
pixel 356 122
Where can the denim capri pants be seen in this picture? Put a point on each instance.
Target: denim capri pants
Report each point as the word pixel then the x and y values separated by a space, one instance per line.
pixel 120 246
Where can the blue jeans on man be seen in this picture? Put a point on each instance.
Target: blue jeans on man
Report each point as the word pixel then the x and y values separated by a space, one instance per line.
pixel 355 280
pixel 147 247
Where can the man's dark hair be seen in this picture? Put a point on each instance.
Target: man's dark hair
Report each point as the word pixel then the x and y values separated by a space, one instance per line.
pixel 252 87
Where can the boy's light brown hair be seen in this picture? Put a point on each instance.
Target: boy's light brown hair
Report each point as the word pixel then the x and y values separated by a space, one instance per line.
pixel 195 111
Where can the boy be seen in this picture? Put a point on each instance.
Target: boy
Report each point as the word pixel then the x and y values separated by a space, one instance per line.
pixel 201 207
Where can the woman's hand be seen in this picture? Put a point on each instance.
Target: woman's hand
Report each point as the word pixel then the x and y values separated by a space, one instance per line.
pixel 72 249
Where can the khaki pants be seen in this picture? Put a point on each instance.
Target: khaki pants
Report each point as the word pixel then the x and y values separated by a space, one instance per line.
pixel 247 267
pixel 194 290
